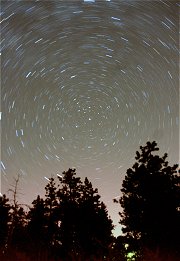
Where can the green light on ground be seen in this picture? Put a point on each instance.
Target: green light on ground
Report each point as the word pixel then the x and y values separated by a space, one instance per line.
pixel 130 256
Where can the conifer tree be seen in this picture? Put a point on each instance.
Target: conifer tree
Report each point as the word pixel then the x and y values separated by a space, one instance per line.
pixel 151 201
pixel 4 223
pixel 51 212
pixel 85 226
pixel 36 229
pixel 19 236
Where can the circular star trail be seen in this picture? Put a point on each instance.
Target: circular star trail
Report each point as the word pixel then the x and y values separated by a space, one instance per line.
pixel 84 84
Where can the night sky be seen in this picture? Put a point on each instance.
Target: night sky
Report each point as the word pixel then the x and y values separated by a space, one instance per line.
pixel 83 85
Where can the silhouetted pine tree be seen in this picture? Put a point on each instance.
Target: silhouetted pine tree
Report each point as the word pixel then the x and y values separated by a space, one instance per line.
pixel 95 227
pixel 150 202
pixel 69 195
pixel 85 229
pixel 52 216
pixel 36 229
pixel 4 223
pixel 70 224
pixel 19 236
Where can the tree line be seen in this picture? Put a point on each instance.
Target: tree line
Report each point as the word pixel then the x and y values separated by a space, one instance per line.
pixel 72 223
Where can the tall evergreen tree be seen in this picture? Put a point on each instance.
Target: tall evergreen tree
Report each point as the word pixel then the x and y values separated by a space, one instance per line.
pixel 151 201
pixel 36 229
pixel 51 211
pixel 19 239
pixel 4 223
pixel 95 227
pixel 85 226
pixel 69 195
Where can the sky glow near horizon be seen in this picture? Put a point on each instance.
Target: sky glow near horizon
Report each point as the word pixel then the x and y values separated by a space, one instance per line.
pixel 84 84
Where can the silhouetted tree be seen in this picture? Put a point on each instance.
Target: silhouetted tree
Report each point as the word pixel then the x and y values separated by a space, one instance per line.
pixel 19 236
pixel 150 202
pixel 36 229
pixel 16 224
pixel 85 228
pixel 4 223
pixel 51 197
pixel 52 216
pixel 69 195
pixel 70 224
pixel 14 211
pixel 94 225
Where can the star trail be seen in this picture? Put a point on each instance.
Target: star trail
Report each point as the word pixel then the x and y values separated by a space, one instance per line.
pixel 83 85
